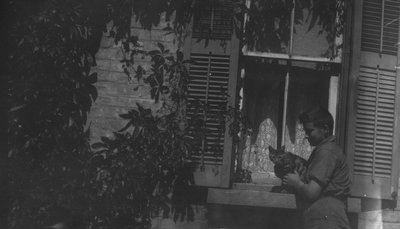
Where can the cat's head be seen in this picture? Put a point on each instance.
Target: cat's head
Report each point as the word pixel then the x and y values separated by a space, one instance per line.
pixel 276 154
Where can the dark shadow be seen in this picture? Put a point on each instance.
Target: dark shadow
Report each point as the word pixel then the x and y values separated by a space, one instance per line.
pixel 263 97
pixel 307 89
pixel 235 217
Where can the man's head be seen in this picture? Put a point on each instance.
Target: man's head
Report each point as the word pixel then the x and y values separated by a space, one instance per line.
pixel 317 123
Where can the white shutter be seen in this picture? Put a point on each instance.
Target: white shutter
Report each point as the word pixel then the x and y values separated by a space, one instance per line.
pixel 373 146
pixel 373 152
pixel 209 84
pixel 214 48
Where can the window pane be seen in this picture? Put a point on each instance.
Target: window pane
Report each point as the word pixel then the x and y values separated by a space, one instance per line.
pixel 314 32
pixel 317 29
pixel 307 89
pixel 268 26
pixel 263 103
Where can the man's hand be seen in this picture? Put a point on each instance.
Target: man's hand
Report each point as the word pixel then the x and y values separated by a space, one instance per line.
pixel 292 179
pixel 310 190
pixel 301 169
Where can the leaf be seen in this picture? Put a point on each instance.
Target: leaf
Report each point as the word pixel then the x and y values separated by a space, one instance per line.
pixel 103 153
pixel 21 42
pixel 154 52
pixel 126 46
pixel 164 89
pixel 137 131
pixel 139 73
pixel 119 136
pixel 86 68
pixel 157 96
pixel 168 28
pixel 153 92
pixel 86 101
pixel 140 108
pixel 17 108
pixel 160 77
pixel 161 46
pixel 93 92
pixel 127 72
pixel 87 132
pixel 106 140
pixel 84 117
pixel 129 124
pixel 125 116
pixel 179 55
pixel 99 145
pixel 132 56
pixel 134 40
pixel 92 78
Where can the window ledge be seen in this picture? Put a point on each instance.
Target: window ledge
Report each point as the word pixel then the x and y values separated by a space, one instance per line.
pixel 261 196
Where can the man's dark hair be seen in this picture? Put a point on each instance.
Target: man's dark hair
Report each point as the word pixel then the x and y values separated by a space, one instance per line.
pixel 319 116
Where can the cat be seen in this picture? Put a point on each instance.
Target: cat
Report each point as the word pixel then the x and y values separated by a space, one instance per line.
pixel 284 163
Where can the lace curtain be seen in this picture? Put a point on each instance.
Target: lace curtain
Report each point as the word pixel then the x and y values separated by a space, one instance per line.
pixel 262 104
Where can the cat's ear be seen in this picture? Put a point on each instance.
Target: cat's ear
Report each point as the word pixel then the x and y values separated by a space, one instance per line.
pixel 271 149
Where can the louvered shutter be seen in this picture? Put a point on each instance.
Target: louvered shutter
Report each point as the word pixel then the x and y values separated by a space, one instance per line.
pixel 213 21
pixel 373 130
pixel 214 48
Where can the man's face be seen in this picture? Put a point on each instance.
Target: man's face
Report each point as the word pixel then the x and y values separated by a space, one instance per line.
pixel 314 133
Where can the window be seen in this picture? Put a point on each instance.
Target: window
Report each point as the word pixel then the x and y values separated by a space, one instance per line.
pixel 269 108
pixel 301 30
pixel 292 63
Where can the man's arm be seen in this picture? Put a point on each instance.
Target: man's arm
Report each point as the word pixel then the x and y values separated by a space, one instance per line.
pixel 310 191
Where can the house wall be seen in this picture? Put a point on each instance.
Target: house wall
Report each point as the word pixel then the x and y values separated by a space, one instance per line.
pixel 382 219
pixel 387 218
pixel 116 93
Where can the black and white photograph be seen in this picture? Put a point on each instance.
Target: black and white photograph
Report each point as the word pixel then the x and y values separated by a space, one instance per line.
pixel 201 114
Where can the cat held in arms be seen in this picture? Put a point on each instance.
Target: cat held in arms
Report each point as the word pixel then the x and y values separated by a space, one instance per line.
pixel 284 163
